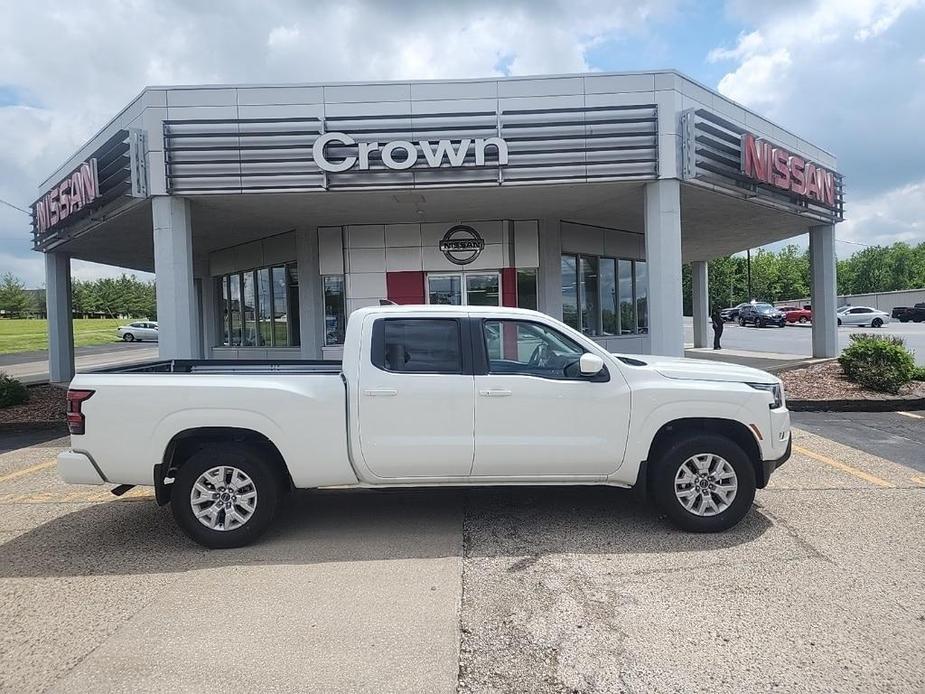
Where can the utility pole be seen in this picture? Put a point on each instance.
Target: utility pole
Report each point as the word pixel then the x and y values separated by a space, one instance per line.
pixel 748 265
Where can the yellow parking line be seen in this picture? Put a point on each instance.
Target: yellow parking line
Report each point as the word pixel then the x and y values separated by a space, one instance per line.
pixel 860 474
pixel 910 414
pixel 27 471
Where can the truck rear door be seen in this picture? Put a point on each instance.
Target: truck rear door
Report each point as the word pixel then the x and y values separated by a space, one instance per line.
pixel 416 398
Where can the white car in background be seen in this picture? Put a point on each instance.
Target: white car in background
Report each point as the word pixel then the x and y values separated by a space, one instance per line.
pixel 862 315
pixel 138 331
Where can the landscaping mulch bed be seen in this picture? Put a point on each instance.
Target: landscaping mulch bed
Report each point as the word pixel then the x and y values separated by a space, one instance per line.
pixel 46 404
pixel 826 381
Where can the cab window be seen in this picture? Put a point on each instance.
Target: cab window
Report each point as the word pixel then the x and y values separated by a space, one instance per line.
pixel 524 347
pixel 417 345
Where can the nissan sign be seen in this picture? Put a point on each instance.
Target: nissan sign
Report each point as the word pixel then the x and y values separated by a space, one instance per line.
pixel 76 191
pixel 403 154
pixel 761 161
pixel 461 244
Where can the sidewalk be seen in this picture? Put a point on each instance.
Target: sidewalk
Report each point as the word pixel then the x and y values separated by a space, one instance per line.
pixel 773 362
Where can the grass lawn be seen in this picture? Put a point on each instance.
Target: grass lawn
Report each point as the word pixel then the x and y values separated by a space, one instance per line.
pixel 25 335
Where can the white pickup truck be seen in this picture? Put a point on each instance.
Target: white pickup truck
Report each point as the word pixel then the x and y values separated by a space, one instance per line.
pixel 429 395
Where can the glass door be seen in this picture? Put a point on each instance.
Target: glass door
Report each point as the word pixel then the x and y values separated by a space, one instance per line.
pixel 464 288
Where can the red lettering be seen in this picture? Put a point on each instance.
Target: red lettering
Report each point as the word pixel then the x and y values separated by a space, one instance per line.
pixel 827 187
pixel 781 173
pixel 812 187
pixel 797 175
pixel 64 200
pixel 53 207
pixel 754 165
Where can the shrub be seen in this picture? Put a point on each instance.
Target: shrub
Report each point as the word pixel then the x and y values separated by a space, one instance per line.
pixel 919 374
pixel 12 391
pixel 877 362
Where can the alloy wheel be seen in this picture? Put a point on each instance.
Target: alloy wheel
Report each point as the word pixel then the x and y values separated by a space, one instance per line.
pixel 705 484
pixel 223 498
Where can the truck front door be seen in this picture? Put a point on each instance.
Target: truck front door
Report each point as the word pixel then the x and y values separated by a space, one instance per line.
pixel 416 401
pixel 535 414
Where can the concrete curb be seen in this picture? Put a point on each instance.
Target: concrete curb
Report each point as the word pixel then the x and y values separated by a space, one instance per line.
pixel 856 405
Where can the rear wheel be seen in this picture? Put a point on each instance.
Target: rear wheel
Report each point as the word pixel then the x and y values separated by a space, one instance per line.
pixel 226 495
pixel 704 483
pixel 128 337
pixel 742 322
pixel 802 319
pixel 839 321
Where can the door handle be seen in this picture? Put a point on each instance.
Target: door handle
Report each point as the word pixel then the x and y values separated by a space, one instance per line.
pixel 495 393
pixel 387 392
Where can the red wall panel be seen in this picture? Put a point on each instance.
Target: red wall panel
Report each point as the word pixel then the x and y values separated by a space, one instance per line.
pixel 405 287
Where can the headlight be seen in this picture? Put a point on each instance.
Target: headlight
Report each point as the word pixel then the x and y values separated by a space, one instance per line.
pixel 775 389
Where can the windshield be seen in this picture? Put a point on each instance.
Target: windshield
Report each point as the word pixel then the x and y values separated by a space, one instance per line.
pixel 764 308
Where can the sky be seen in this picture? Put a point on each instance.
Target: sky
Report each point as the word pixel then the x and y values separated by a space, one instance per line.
pixel 848 75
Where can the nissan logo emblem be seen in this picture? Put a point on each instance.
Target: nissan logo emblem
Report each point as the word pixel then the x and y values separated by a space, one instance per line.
pixel 461 244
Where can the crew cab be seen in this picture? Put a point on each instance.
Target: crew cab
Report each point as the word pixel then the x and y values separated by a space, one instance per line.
pixel 426 396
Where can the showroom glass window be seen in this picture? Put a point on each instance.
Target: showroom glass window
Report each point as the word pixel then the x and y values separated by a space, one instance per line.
pixel 604 296
pixel 335 317
pixel 260 307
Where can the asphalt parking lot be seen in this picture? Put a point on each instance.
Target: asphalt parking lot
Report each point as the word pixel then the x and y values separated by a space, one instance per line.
pixel 492 590
pixel 797 339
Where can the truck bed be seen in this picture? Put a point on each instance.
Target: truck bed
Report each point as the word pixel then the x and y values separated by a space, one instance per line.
pixel 228 366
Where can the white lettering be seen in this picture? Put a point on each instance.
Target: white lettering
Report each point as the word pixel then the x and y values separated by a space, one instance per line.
pixel 365 148
pixel 436 154
pixel 496 142
pixel 445 150
pixel 318 153
pixel 411 154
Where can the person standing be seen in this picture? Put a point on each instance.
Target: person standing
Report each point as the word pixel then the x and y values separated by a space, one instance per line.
pixel 717 328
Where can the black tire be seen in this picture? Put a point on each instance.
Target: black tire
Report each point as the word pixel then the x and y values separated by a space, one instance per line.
pixel 761 323
pixel 667 465
pixel 839 321
pixel 742 322
pixel 903 320
pixel 253 462
pixel 802 319
pixel 128 337
pixel 876 323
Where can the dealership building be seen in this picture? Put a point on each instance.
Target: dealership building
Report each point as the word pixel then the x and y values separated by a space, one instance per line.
pixel 269 213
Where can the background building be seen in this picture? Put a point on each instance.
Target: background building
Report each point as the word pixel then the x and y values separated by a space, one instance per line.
pixel 269 213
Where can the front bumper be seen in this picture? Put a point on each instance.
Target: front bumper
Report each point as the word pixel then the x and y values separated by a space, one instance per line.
pixel 78 468
pixel 769 466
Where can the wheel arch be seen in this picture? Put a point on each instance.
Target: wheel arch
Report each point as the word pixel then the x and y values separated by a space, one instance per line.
pixel 185 443
pixel 731 429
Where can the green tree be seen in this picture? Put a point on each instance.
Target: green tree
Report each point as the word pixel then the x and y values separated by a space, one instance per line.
pixel 13 297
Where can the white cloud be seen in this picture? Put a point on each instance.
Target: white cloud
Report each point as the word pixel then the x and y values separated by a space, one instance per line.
pixel 82 62
pixel 895 215
pixel 844 74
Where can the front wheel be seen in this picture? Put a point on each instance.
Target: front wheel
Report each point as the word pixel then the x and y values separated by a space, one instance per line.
pixel 704 483
pixel 876 323
pixel 128 337
pixel 839 321
pixel 226 495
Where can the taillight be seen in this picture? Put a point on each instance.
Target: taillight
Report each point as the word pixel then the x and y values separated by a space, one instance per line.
pixel 75 418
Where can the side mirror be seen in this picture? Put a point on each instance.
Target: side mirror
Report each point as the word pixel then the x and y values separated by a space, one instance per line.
pixel 590 364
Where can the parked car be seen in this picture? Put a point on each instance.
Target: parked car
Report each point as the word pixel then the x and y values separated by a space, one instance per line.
pixel 139 331
pixel 862 315
pixel 761 315
pixel 426 396
pixel 731 314
pixel 797 315
pixel 916 313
